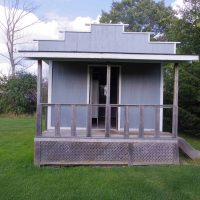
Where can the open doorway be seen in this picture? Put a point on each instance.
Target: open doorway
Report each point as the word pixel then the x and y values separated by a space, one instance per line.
pixel 98 76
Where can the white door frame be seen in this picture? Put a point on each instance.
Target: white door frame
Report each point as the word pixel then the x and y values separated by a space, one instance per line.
pixel 119 87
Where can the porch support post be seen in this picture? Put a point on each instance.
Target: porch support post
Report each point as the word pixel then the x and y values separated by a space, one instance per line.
pixel 39 98
pixel 175 101
pixel 108 111
pixel 90 108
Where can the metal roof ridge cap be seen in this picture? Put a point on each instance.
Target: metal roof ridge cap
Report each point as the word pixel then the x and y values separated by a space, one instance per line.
pixel 73 31
pixel 135 32
pixel 164 42
pixel 49 40
pixel 105 24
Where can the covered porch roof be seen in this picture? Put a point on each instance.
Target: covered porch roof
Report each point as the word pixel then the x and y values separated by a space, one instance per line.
pixel 108 57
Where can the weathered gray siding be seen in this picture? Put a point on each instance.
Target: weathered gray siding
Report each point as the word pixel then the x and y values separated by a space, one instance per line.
pixel 107 38
pixel 69 86
pixel 140 84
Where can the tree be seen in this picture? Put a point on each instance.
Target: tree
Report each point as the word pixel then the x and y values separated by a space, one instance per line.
pixel 186 29
pixel 141 15
pixel 19 94
pixel 189 97
pixel 12 26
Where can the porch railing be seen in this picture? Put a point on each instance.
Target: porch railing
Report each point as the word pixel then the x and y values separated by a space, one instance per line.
pixel 124 109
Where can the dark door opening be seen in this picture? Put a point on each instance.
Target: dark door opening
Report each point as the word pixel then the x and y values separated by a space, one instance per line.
pixel 98 95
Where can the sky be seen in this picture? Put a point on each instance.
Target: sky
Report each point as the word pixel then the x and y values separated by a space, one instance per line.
pixel 55 15
pixel 48 9
pixel 74 8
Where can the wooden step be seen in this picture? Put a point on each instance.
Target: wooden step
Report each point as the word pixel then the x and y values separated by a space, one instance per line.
pixel 188 149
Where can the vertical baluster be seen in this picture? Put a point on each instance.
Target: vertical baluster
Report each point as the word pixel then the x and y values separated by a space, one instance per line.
pixel 108 116
pixel 57 120
pixel 73 121
pixel 46 111
pixel 157 121
pixel 141 123
pixel 89 121
pixel 126 122
pixel 39 120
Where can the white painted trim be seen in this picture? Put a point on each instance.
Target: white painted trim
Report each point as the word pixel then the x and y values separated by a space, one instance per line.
pixel 120 99
pixel 161 96
pixel 175 47
pixel 89 77
pixel 50 81
pixel 110 56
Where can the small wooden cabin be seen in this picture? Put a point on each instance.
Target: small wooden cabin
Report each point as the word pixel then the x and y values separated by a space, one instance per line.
pixel 105 99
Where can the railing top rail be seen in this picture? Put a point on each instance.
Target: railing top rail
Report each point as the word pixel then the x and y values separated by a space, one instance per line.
pixel 111 105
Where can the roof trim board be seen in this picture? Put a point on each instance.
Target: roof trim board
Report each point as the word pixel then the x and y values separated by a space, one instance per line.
pixel 108 56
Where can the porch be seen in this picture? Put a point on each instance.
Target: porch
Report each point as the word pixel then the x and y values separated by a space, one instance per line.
pixel 104 145
pixel 136 138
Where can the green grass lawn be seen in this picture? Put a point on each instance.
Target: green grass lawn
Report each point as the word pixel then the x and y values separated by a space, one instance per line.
pixel 20 179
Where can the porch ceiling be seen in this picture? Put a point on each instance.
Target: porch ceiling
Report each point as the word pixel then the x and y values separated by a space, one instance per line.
pixel 110 57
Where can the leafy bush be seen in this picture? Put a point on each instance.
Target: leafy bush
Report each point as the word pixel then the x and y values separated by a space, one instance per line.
pixel 18 94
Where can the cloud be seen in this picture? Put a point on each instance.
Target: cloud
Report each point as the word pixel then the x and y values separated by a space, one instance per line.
pixel 77 24
pixel 177 4
pixel 48 29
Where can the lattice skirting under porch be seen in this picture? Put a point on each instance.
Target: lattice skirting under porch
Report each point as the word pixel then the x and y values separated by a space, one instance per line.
pixel 76 151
